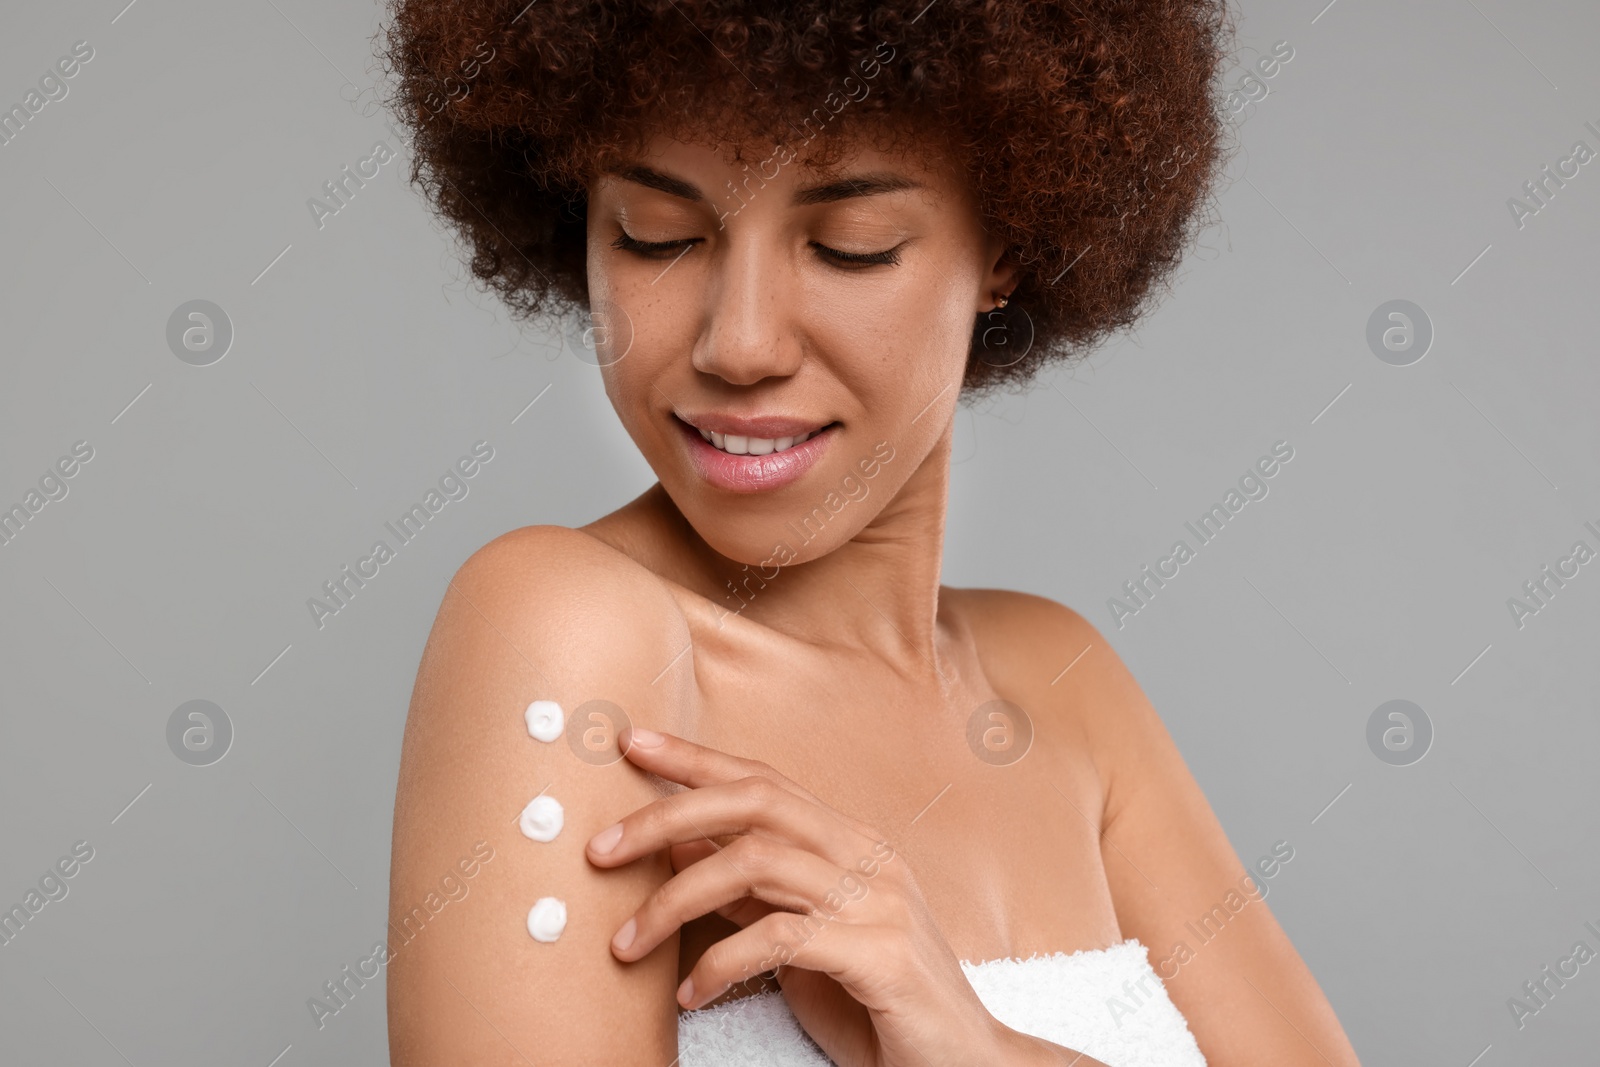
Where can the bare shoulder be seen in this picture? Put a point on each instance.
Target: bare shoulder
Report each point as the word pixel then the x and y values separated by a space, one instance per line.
pixel 1088 685
pixel 543 613
pixel 1158 830
pixel 1056 651
pixel 566 585
pixel 1026 622
pixel 548 612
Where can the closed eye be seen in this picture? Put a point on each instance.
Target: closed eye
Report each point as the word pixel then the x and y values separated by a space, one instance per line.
pixel 667 249
pixel 889 256
pixel 651 249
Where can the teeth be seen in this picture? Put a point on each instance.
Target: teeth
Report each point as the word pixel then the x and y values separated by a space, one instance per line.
pixel 735 445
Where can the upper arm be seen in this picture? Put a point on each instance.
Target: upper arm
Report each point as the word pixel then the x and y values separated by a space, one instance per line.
pixel 1247 995
pixel 540 613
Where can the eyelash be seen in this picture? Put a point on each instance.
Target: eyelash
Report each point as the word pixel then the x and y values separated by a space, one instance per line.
pixel 650 249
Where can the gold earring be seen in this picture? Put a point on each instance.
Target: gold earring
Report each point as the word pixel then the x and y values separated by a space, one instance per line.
pixel 1001 301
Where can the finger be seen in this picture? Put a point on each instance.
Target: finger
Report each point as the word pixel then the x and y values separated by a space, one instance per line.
pixel 694 765
pixel 757 867
pixel 813 942
pixel 691 764
pixel 740 912
pixel 746 910
pixel 688 853
pixel 748 805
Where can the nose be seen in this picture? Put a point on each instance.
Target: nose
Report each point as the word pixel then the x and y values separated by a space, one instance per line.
pixel 750 317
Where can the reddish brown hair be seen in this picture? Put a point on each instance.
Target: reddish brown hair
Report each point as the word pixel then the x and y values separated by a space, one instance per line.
pixel 1090 131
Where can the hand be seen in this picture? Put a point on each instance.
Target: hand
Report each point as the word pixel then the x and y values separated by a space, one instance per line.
pixel 821 897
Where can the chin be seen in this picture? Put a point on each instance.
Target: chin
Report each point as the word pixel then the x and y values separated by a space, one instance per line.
pixel 799 525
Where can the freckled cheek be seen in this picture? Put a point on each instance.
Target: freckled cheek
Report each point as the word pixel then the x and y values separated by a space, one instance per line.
pixel 936 324
pixel 662 335
pixel 888 370
pixel 891 337
pixel 836 320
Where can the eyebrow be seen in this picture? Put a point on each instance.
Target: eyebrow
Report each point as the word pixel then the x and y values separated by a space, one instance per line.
pixel 859 185
pixel 826 193
pixel 654 179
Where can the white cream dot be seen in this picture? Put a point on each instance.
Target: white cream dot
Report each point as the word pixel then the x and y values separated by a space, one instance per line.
pixel 547 919
pixel 544 720
pixel 542 818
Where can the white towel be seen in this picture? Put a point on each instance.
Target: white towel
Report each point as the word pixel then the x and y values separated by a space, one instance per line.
pixel 1107 1003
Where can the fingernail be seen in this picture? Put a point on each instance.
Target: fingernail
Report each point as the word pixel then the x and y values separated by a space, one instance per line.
pixel 624 936
pixel 644 738
pixel 686 992
pixel 606 840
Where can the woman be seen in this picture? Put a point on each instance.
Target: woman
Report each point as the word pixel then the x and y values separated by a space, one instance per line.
pixel 861 816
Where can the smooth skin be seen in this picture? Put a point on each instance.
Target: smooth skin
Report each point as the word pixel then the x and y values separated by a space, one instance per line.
pixel 813 716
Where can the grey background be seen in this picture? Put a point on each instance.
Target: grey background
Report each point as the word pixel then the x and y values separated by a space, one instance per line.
pixel 178 167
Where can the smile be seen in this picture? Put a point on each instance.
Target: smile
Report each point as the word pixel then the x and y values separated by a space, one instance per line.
pixel 735 445
pixel 753 455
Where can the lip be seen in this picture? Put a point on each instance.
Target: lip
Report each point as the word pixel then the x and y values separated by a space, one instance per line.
pixel 753 474
pixel 773 426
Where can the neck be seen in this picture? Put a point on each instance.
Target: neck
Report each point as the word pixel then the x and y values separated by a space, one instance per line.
pixel 878 591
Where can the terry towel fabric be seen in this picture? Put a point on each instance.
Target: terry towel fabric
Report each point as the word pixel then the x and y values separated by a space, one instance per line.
pixel 1107 1003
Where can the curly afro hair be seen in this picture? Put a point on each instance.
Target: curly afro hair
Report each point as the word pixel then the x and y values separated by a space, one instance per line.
pixel 1090 131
